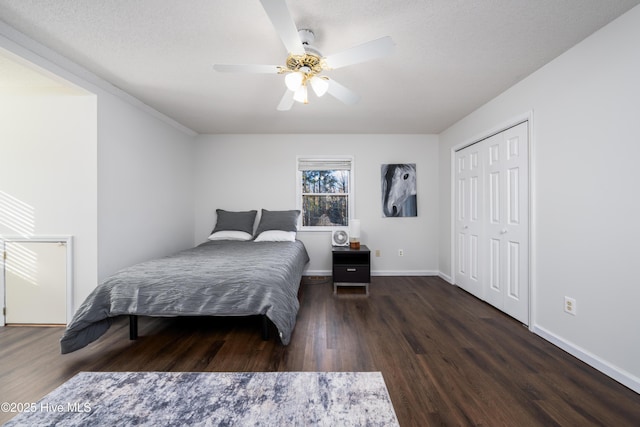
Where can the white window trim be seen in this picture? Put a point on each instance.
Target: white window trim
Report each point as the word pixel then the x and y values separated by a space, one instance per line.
pixel 327 159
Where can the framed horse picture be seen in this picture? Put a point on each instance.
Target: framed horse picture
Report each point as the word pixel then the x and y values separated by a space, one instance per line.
pixel 399 194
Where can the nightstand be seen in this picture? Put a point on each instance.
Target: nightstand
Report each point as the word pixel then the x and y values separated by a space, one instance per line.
pixel 351 267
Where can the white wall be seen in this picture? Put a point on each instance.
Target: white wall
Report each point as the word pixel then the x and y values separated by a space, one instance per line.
pixel 243 172
pixel 48 175
pixel 145 186
pixel 585 176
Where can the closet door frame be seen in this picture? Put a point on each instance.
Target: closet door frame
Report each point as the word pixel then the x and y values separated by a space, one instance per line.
pixel 514 121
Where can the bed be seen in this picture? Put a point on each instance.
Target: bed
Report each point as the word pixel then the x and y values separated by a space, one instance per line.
pixel 229 275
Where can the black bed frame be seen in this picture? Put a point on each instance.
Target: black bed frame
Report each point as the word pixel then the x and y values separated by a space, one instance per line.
pixel 133 327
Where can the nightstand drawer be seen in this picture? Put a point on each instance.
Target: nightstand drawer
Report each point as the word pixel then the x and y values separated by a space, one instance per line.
pixel 351 273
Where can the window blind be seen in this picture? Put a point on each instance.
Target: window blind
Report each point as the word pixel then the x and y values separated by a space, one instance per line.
pixel 324 164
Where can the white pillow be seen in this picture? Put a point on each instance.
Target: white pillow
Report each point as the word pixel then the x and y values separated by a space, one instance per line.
pixel 230 235
pixel 276 236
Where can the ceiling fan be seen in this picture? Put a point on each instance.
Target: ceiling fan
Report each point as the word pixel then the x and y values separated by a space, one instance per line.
pixel 305 64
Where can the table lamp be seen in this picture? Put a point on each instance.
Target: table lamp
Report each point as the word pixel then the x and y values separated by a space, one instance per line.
pixel 354 234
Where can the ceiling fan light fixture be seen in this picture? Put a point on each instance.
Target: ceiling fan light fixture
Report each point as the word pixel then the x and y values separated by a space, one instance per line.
pixel 300 95
pixel 305 64
pixel 319 85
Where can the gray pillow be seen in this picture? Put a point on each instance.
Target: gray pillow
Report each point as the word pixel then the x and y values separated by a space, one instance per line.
pixel 278 220
pixel 237 221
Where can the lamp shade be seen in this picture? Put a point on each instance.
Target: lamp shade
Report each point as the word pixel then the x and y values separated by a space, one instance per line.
pixel 300 95
pixel 293 81
pixel 319 86
pixel 354 228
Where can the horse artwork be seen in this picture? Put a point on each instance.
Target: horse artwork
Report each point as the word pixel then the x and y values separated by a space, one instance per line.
pixel 399 190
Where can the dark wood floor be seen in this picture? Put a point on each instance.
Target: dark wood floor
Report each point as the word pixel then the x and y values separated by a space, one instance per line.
pixel 447 358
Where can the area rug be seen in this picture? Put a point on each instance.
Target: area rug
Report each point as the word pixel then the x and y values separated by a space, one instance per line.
pixel 215 399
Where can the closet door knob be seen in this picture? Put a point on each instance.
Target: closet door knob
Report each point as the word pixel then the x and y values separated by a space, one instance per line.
pixel 503 231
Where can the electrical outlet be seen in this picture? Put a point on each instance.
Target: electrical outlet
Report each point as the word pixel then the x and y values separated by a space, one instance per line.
pixel 377 252
pixel 400 252
pixel 570 306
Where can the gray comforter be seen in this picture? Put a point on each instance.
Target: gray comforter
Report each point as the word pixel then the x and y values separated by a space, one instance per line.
pixel 218 278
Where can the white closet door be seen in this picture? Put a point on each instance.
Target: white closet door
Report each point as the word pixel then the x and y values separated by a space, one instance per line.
pixel 469 220
pixel 491 221
pixel 36 277
pixel 507 225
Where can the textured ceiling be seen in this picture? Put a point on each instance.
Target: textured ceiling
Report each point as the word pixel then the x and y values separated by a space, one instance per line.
pixel 451 56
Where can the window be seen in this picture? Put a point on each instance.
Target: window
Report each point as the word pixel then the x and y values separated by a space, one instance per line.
pixel 325 192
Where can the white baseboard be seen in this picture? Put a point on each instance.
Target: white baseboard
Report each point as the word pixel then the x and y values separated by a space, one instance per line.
pixel 623 377
pixel 378 273
pixel 403 273
pixel 445 277
pixel 317 273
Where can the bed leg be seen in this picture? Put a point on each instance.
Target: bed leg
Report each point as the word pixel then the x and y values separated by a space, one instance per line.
pixel 133 327
pixel 265 328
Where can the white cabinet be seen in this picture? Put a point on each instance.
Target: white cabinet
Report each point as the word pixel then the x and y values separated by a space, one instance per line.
pixel 36 281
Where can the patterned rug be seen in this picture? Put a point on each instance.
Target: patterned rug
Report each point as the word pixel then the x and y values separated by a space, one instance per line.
pixel 215 399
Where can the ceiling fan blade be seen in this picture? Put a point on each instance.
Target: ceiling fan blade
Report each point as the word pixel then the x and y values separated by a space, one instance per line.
pixel 282 21
pixel 240 68
pixel 286 102
pixel 341 93
pixel 364 52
